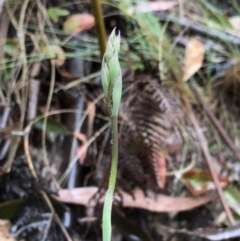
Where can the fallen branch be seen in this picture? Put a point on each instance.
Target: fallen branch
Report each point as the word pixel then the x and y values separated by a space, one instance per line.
pixel 203 144
pixel 216 122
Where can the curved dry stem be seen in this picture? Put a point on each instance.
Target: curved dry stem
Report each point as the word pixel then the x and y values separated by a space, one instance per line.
pixel 84 148
pixel 49 99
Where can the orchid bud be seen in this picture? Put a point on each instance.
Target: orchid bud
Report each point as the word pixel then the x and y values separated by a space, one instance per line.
pixel 111 74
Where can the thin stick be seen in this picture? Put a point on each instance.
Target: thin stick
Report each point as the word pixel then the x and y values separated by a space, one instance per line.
pixel 101 32
pixel 203 143
pixel 49 100
pixel 58 220
pixel 216 122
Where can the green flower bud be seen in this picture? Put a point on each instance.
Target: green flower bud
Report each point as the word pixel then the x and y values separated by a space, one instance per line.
pixel 113 45
pixel 111 74
pixel 114 68
pixel 105 78
pixel 116 96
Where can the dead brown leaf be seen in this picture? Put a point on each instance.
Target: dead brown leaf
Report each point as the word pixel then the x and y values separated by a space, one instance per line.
pixel 153 202
pixel 200 181
pixel 78 22
pixel 163 203
pixel 81 150
pixel 54 52
pixel 194 55
pixel 65 74
pixel 161 172
pixel 91 115
pixel 5 235
pixel 156 6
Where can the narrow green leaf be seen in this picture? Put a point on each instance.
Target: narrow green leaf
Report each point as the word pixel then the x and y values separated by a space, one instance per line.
pixel 105 78
pixel 233 198
pixel 220 21
pixel 10 208
pixel 107 210
pixel 52 126
pixel 55 13
pixel 109 52
pixel 11 47
pixel 114 68
pixel 116 95
pixel 117 43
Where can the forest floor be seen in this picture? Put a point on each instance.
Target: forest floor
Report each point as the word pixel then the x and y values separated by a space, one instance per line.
pixel 179 136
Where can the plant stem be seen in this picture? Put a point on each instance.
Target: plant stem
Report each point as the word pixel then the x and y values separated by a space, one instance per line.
pixel 107 208
pixel 101 32
pixel 113 172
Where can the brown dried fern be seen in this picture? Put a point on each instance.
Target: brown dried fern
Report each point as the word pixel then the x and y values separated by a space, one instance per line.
pixel 150 133
pixel 151 114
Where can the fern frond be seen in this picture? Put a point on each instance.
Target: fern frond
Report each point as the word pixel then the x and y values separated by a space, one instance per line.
pixel 151 114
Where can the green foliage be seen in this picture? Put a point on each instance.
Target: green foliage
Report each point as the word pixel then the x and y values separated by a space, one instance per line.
pixel 219 21
pixel 55 13
pixel 11 48
pixel 10 208
pixel 233 198
pixel 52 126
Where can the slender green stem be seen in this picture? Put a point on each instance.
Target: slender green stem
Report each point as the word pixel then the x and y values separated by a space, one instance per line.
pixel 107 207
pixel 101 32
pixel 113 172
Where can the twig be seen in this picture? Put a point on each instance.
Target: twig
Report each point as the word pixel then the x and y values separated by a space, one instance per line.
pixel 27 131
pixel 84 147
pixel 33 91
pixel 74 160
pixel 180 172
pixel 101 32
pixel 216 122
pixel 14 142
pixel 58 220
pixel 47 228
pixel 27 152
pixel 49 99
pixel 203 143
pixel 31 167
pixel 23 57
